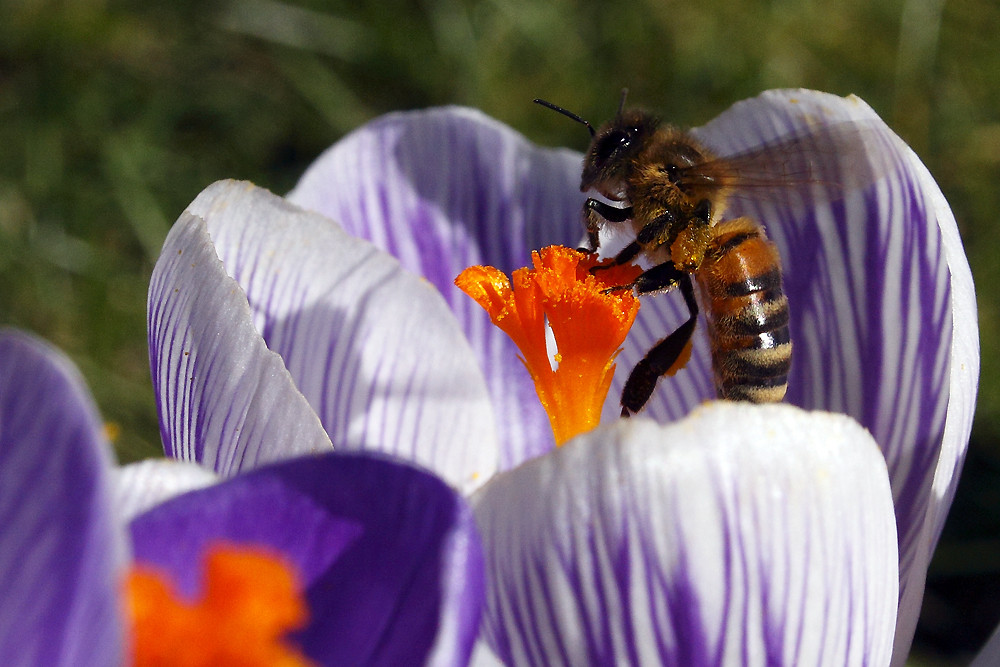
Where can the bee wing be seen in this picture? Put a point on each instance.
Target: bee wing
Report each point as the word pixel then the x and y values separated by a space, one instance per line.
pixel 824 163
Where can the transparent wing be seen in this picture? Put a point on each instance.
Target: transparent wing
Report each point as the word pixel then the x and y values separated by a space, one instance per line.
pixel 826 161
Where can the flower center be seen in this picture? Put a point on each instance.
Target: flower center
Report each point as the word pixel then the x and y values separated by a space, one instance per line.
pixel 251 600
pixel 588 323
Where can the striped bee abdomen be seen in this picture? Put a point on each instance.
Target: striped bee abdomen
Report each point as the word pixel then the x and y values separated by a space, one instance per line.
pixel 747 313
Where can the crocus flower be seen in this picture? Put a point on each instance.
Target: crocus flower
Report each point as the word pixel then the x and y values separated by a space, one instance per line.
pixel 727 533
pixel 384 556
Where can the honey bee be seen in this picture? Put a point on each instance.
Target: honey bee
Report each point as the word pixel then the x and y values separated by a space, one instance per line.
pixel 674 193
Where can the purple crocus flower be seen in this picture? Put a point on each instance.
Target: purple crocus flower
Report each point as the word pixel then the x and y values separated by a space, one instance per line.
pixel 388 554
pixel 727 533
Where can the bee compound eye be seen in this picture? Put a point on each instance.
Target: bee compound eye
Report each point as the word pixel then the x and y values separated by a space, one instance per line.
pixel 611 145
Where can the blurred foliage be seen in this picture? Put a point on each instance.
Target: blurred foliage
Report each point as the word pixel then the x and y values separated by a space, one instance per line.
pixel 116 114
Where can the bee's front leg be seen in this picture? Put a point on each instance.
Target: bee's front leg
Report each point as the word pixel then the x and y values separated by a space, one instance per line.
pixel 595 214
pixel 648 236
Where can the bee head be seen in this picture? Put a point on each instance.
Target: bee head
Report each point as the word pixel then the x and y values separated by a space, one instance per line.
pixel 610 157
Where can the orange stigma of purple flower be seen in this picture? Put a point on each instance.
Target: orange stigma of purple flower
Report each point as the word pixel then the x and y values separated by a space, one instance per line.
pixel 250 601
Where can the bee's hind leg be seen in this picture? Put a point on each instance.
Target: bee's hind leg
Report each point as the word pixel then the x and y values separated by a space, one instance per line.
pixel 669 355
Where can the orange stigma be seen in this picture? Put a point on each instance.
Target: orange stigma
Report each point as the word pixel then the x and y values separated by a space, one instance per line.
pixel 250 601
pixel 588 323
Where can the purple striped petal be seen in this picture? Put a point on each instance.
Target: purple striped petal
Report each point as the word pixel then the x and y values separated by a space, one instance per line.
pixel 224 399
pixel 445 189
pixel 882 307
pixel 388 553
pixel 145 484
pixel 695 543
pixel 61 552
pixel 883 314
pixel 364 345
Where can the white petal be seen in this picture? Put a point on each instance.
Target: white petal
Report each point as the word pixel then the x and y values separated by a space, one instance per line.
pixel 740 535
pixel 224 399
pixel 372 348
pixel 141 485
pixel 483 656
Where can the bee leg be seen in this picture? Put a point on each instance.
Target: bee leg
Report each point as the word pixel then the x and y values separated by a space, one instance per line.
pixel 666 357
pixel 606 211
pixel 661 278
pixel 653 231
pixel 626 255
pixel 703 211
pixel 595 212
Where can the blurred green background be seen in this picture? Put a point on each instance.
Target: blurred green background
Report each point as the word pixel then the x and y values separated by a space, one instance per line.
pixel 114 115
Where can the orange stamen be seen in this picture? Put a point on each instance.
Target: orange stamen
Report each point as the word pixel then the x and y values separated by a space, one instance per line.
pixel 589 325
pixel 251 600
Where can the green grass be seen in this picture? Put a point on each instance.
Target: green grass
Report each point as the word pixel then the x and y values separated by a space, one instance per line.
pixel 115 115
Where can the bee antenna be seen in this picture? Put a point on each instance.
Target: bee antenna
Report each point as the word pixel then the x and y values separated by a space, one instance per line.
pixel 566 112
pixel 621 105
